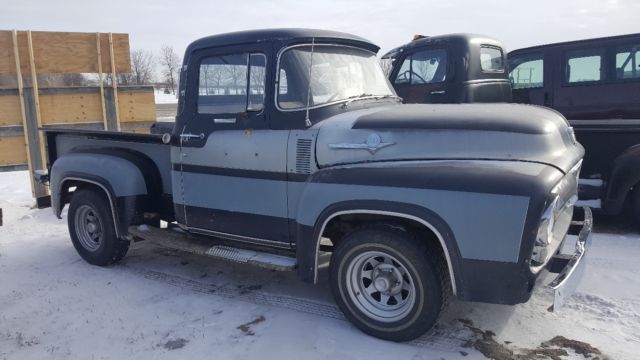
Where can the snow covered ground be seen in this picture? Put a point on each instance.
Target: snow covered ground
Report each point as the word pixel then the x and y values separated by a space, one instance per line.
pixel 159 304
pixel 162 98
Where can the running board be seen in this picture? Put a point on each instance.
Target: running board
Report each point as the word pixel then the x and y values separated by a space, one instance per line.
pixel 177 239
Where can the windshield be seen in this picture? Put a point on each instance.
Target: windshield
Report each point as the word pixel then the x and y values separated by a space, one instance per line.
pixel 337 73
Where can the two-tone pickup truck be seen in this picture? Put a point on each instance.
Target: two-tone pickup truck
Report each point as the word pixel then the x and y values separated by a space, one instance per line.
pixel 289 143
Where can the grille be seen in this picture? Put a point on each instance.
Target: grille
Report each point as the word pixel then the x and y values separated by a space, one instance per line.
pixel 303 156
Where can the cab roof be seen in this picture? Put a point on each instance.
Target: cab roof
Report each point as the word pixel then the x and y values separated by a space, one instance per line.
pixel 285 36
pixel 449 39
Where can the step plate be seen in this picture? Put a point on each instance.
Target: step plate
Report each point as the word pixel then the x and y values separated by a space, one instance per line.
pixel 179 240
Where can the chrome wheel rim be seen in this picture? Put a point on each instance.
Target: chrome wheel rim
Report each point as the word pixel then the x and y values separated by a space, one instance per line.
pixel 380 286
pixel 88 228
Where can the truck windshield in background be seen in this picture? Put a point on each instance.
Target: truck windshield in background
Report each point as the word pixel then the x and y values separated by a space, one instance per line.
pixel 337 74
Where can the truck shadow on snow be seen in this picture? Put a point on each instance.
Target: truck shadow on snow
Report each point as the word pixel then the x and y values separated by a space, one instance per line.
pixel 454 332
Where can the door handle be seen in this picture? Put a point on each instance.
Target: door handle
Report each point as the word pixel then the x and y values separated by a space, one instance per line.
pixel 437 92
pixel 186 137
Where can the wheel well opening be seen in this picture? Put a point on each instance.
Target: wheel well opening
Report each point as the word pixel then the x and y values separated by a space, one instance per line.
pixel 341 225
pixel 69 187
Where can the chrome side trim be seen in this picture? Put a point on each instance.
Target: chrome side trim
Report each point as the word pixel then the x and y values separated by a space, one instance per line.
pixel 388 213
pixel 111 203
pixel 240 238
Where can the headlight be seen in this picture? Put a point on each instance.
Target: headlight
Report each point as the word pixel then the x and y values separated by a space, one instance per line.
pixel 545 234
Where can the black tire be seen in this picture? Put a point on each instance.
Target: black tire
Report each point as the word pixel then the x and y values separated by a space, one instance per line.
pixel 413 257
pixel 108 249
pixel 636 207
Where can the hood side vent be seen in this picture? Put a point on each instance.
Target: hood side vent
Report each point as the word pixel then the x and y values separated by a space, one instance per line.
pixel 303 156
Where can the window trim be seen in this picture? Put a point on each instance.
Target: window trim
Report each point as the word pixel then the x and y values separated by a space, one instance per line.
pixel 604 66
pixel 277 82
pixel 488 46
pixel 248 53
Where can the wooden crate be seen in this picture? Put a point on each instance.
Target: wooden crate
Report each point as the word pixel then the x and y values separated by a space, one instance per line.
pixel 10 110
pixel 13 150
pixel 70 108
pixel 64 52
pixel 136 106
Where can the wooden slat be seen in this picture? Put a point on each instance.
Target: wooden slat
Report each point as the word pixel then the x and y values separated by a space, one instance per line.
pixel 13 150
pixel 70 108
pixel 10 113
pixel 136 106
pixel 64 52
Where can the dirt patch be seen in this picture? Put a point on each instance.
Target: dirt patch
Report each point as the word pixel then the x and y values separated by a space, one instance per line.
pixel 175 344
pixel 554 349
pixel 579 347
pixel 246 328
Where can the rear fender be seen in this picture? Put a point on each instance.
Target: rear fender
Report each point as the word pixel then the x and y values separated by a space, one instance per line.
pixel 119 179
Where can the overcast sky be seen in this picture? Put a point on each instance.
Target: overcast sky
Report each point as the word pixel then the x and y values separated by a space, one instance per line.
pixel 387 23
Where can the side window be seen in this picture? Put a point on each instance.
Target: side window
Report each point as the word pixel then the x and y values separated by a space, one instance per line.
pixel 584 66
pixel 231 84
pixel 491 59
pixel 527 72
pixel 404 74
pixel 423 67
pixel 628 62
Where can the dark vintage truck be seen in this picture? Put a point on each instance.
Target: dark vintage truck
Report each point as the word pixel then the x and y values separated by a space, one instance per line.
pixel 595 84
pixel 291 142
pixel 455 68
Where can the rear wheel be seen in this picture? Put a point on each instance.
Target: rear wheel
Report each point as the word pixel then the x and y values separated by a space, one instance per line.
pixel 387 283
pixel 636 206
pixel 91 228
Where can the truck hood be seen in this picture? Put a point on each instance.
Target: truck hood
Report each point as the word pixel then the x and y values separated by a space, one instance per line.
pixel 439 132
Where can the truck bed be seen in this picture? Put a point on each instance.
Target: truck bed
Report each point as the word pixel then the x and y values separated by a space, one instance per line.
pixel 62 141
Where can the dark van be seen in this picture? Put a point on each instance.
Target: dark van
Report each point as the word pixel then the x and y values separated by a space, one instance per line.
pixel 595 84
pixel 457 68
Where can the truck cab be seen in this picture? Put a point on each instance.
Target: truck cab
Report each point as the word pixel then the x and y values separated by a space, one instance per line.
pixel 456 68
pixel 290 143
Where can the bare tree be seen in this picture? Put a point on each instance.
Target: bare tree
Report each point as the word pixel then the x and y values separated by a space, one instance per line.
pixel 170 63
pixel 142 67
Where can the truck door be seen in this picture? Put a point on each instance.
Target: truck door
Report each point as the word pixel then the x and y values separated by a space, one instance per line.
pixel 233 168
pixel 421 77
pixel 531 78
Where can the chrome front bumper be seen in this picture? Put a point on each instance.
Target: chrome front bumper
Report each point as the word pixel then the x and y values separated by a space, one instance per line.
pixel 570 267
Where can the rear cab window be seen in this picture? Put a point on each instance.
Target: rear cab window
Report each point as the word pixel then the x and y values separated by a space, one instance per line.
pixel 491 59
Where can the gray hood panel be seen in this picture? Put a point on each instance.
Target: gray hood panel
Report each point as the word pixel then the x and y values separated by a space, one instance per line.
pixel 460 131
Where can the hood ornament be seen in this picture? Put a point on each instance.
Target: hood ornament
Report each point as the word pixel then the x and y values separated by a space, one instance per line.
pixel 373 143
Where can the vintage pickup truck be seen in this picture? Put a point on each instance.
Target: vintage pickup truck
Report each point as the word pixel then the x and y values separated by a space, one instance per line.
pixel 292 142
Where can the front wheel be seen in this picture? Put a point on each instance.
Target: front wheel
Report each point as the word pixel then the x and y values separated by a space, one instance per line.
pixel 92 230
pixel 387 283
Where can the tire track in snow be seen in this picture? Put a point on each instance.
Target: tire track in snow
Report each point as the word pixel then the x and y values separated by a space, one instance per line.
pixel 437 338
